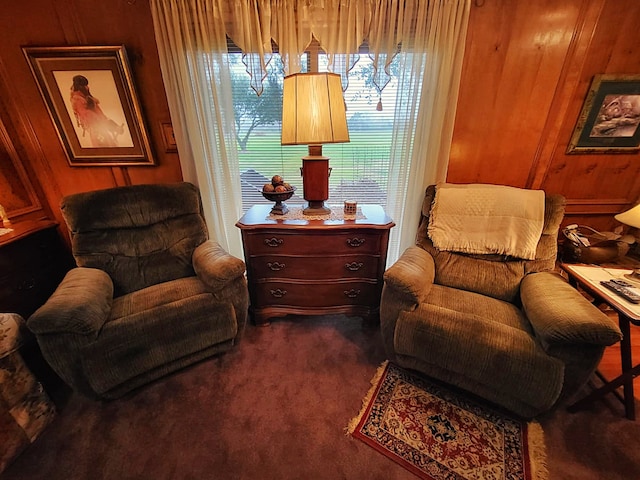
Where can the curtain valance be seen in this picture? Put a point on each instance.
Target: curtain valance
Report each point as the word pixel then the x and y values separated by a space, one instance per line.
pixel 339 26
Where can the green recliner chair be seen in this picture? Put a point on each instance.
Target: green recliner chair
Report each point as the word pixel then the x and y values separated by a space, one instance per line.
pixel 508 330
pixel 151 293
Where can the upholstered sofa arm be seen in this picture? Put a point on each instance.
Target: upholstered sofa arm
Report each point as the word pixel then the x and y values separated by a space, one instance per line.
pixel 559 314
pixel 412 274
pixel 214 266
pixel 81 304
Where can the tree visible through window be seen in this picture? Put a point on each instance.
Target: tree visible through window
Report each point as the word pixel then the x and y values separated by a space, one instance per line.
pixel 359 169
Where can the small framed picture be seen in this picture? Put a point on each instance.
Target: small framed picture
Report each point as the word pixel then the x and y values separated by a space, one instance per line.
pixel 610 117
pixel 92 102
pixel 168 137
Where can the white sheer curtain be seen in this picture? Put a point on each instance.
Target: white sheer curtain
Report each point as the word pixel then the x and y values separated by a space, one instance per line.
pixel 191 41
pixel 428 93
pixel 429 34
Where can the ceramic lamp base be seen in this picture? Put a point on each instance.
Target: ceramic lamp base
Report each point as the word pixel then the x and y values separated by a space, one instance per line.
pixel 634 277
pixel 316 208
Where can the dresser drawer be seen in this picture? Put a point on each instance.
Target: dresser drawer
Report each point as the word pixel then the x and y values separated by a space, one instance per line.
pixel 326 242
pixel 317 267
pixel 314 266
pixel 317 294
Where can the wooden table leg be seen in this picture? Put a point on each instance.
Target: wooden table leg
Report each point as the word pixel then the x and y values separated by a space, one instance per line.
pixel 625 380
pixel 627 367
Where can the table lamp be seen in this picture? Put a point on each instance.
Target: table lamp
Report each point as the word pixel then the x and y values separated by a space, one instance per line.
pixel 314 113
pixel 632 218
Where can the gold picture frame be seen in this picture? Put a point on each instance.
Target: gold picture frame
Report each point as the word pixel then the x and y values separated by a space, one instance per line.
pixel 609 121
pixel 90 96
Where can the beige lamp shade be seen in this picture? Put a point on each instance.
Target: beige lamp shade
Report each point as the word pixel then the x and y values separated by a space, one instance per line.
pixel 313 110
pixel 631 217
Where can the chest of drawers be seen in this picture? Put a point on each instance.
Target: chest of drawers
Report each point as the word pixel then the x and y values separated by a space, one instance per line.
pixel 314 267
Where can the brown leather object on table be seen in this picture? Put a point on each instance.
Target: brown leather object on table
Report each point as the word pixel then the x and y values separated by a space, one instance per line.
pixel 603 252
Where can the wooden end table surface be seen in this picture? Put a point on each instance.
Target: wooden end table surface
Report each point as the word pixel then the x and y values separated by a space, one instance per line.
pixel 588 277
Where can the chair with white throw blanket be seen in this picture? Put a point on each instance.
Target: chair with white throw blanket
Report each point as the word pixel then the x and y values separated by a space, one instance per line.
pixel 476 304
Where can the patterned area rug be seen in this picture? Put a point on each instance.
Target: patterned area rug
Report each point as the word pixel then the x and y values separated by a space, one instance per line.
pixel 439 434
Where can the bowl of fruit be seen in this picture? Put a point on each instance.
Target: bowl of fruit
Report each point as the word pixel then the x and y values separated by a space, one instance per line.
pixel 278 191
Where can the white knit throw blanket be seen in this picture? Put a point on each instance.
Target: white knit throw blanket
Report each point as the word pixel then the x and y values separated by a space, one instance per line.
pixel 479 218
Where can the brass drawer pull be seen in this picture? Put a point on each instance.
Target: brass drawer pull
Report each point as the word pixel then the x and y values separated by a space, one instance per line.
pixel 278 293
pixel 353 293
pixel 273 242
pixel 355 242
pixel 353 266
pixel 275 266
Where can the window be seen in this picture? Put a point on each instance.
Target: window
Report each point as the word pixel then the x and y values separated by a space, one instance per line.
pixel 360 168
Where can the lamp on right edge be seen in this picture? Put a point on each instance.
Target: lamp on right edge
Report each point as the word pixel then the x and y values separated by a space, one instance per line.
pixel 632 218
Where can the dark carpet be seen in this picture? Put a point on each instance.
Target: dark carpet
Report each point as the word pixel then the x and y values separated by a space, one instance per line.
pixel 276 407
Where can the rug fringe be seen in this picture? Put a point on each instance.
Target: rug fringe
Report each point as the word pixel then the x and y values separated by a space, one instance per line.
pixel 537 451
pixel 350 428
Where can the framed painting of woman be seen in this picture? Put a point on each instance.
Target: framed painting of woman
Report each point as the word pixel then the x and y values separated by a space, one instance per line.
pixel 91 98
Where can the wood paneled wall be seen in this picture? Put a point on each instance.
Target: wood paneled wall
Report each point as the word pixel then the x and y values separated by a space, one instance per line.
pixel 528 66
pixel 24 115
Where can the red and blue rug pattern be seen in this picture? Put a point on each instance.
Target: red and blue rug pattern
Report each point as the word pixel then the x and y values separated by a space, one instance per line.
pixel 438 433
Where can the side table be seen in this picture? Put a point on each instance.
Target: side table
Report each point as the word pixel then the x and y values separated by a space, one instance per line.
pixel 33 261
pixel 588 277
pixel 314 266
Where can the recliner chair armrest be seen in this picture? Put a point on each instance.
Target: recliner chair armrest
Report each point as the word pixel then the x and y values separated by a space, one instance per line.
pixel 214 266
pixel 412 274
pixel 81 304
pixel 559 314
